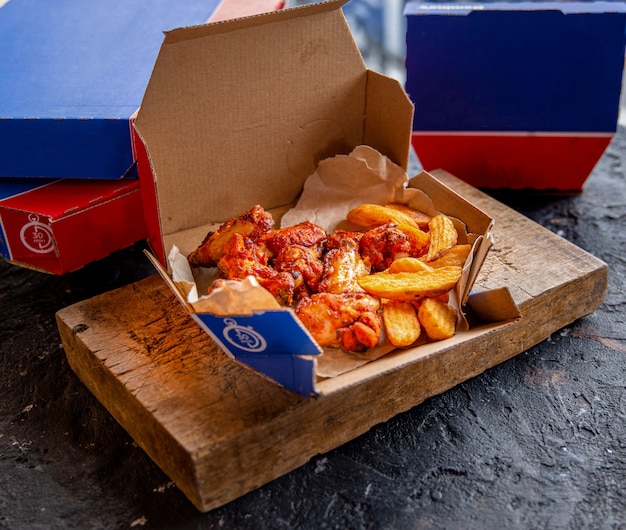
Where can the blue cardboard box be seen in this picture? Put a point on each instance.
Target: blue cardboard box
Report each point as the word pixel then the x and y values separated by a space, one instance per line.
pixel 72 75
pixel 515 95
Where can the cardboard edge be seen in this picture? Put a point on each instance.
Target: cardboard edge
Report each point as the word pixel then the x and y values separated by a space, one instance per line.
pixel 168 281
pixel 387 102
pixel 149 193
pixel 225 26
pixel 449 202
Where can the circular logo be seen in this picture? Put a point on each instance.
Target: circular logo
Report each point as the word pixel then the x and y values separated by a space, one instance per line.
pixel 36 236
pixel 243 337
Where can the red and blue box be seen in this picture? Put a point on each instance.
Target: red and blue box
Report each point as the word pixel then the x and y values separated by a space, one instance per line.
pixel 73 75
pixel 515 95
pixel 59 225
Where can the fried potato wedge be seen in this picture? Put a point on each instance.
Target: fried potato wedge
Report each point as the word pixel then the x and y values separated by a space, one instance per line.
pixel 456 256
pixel 443 236
pixel 437 318
pixel 420 218
pixel 420 240
pixel 401 323
pixel 409 264
pixel 369 215
pixel 411 285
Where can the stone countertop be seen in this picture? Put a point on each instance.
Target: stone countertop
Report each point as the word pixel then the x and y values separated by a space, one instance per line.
pixel 536 442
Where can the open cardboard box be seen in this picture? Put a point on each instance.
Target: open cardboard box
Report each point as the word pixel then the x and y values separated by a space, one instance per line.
pixel 240 113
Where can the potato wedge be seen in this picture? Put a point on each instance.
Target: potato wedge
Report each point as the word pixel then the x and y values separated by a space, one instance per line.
pixel 401 323
pixel 437 318
pixel 411 285
pixel 420 240
pixel 368 215
pixel 456 256
pixel 443 236
pixel 420 218
pixel 408 264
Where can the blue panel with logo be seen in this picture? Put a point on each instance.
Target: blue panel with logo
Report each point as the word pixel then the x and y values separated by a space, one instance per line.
pixel 273 342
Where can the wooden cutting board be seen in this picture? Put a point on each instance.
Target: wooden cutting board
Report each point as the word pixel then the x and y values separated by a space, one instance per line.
pixel 220 429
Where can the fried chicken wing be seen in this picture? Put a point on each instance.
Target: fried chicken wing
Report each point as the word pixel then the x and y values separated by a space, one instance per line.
pixel 334 240
pixel 362 334
pixel 342 267
pixel 252 223
pixel 241 259
pixel 383 244
pixel 341 284
pixel 328 315
pixel 304 264
pixel 305 234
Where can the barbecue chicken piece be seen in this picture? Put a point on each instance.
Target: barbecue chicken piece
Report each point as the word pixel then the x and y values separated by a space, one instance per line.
pixel 342 267
pixel 241 258
pixel 335 238
pixel 305 234
pixel 384 244
pixel 363 334
pixel 252 223
pixel 304 264
pixel 347 320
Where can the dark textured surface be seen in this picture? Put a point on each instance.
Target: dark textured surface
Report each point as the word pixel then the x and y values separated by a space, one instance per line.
pixel 537 442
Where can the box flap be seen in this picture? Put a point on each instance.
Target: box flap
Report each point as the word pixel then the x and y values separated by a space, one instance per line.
pixel 56 199
pixel 387 103
pixel 240 112
pixel 462 9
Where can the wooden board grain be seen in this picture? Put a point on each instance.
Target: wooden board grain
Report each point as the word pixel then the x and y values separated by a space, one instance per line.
pixel 220 430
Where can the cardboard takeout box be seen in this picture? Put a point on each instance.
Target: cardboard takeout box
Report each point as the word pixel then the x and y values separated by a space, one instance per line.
pixel 60 225
pixel 515 94
pixel 73 74
pixel 241 113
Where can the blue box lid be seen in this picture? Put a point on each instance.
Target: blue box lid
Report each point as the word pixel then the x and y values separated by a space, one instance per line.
pixel 528 66
pixel 73 74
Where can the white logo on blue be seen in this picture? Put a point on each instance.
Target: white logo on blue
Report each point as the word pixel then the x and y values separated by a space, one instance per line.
pixel 243 337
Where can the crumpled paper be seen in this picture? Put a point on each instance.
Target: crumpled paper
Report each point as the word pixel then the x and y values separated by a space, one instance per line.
pixel 343 182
